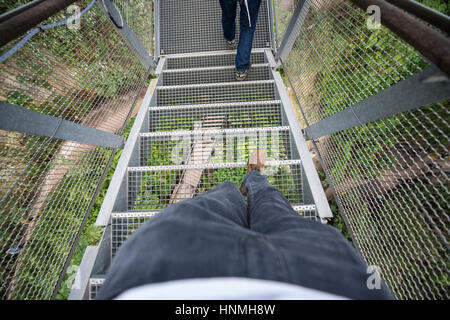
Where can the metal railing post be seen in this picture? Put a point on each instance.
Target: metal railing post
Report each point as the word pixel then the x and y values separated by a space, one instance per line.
pixel 110 9
pixel 292 29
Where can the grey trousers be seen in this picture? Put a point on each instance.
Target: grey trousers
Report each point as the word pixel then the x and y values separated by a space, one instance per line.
pixel 217 234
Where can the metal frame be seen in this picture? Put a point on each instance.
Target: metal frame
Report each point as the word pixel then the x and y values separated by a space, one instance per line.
pixel 426 87
pixel 320 199
pixel 290 35
pixel 19 119
pixel 129 37
pixel 82 278
pixel 115 198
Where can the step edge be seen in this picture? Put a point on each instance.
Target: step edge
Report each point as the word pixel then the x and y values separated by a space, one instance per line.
pixel 215 105
pixel 257 65
pixel 215 84
pixel 242 164
pixel 213 131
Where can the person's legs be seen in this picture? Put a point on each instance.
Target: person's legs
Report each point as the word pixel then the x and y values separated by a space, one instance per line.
pixel 308 253
pixel 246 33
pixel 266 204
pixel 199 237
pixel 228 18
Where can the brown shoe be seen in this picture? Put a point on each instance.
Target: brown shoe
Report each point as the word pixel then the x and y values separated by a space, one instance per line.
pixel 256 161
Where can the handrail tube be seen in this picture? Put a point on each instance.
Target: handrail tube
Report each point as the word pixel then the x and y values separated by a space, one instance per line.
pixel 429 42
pixel 20 23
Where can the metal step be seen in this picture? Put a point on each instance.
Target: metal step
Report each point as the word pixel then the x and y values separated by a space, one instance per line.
pixel 150 188
pixel 123 224
pixel 209 59
pixel 239 115
pixel 212 75
pixel 94 287
pixel 195 26
pixel 238 91
pixel 227 145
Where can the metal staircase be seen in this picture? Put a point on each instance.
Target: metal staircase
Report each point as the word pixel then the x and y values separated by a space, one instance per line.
pixel 196 129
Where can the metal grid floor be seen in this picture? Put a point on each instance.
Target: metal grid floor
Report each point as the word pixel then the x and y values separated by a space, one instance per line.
pixel 195 26
pixel 94 287
pixel 123 224
pixel 216 92
pixel 213 146
pixel 226 58
pixel 212 75
pixel 156 187
pixel 238 115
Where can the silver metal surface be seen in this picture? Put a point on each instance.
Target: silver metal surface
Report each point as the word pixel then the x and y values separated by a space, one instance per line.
pixel 426 87
pixel 183 29
pixel 18 119
pixel 320 200
pixel 293 28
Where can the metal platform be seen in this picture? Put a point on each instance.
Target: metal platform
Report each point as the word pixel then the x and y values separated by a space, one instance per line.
pixel 198 126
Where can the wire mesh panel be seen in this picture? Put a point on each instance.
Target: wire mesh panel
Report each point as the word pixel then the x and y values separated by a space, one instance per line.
pixel 212 75
pixel 139 16
pixel 195 26
pixel 211 60
pixel 88 76
pixel 391 176
pixel 216 92
pixel 284 10
pixel 213 146
pixel 94 287
pixel 156 187
pixel 124 224
pixel 238 115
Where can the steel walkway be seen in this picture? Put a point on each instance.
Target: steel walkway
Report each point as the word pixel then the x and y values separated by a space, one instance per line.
pixel 196 129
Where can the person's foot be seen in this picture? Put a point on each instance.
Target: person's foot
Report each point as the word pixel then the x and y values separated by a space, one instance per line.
pixel 241 75
pixel 231 44
pixel 256 161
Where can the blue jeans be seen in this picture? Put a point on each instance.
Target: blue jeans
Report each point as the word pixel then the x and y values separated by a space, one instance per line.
pixel 217 234
pixel 246 32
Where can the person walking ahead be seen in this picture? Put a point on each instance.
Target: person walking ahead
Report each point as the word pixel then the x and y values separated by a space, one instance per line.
pixel 217 246
pixel 248 20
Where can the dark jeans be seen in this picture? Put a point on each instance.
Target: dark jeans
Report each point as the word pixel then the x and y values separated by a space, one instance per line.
pixel 246 31
pixel 217 235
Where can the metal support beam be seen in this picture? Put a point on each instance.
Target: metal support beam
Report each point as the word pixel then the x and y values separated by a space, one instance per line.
pixel 132 41
pixel 292 29
pixel 428 86
pixel 18 119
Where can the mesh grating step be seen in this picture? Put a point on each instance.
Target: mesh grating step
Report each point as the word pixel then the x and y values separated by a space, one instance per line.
pixel 195 26
pixel 212 75
pixel 239 115
pixel 151 188
pixel 94 287
pixel 211 60
pixel 123 224
pixel 216 92
pixel 227 145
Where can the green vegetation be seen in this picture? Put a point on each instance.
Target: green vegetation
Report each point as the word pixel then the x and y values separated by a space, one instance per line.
pixel 390 174
pixel 90 234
